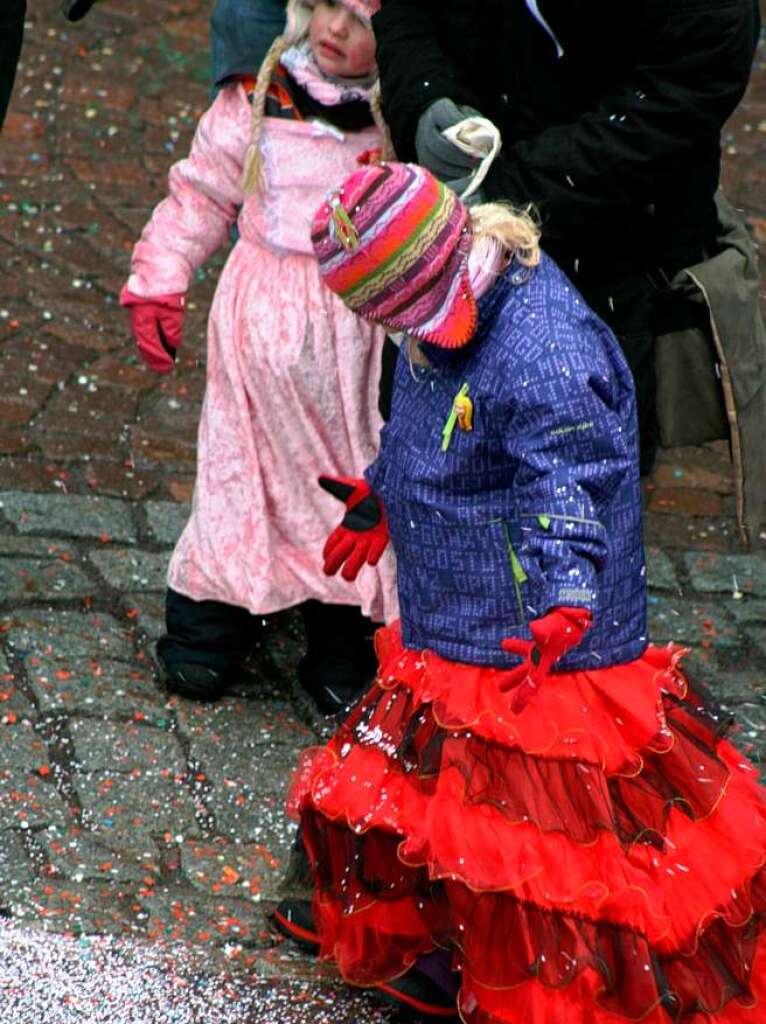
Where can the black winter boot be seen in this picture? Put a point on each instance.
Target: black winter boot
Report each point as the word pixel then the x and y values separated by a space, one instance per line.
pixel 205 643
pixel 340 663
pixel 294 920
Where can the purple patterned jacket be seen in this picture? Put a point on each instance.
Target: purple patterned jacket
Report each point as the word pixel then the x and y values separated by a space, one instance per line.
pixel 539 504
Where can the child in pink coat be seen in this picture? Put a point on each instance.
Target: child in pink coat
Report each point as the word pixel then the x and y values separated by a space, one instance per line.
pixel 289 394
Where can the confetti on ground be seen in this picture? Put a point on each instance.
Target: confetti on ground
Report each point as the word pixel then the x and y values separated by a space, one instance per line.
pixel 59 980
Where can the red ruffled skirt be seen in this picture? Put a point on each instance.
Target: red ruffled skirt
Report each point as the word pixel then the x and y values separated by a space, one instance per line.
pixel 597 858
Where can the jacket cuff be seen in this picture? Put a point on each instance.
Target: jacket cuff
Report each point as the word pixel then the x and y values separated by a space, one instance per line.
pixel 568 595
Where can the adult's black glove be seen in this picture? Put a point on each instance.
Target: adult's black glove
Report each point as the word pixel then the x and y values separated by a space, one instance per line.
pixel 443 158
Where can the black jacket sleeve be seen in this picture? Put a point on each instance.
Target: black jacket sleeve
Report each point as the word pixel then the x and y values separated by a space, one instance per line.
pixel 694 60
pixel 414 68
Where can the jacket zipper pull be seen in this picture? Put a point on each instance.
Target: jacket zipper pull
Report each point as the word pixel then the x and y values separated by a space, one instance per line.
pixel 517 571
pixel 462 409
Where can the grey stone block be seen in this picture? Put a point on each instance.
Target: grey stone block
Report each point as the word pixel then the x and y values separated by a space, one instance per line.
pixel 20 745
pixel 11 698
pixel 135 807
pixel 26 801
pixel 93 686
pixel 78 856
pixel 190 917
pixel 726 574
pixel 166 520
pixel 254 812
pixel 244 870
pixel 691 624
pixel 37 547
pixel 16 870
pixel 34 579
pixel 67 634
pixel 69 515
pixel 131 569
pixel 661 574
pixel 87 908
pixel 149 610
pixel 248 736
pixel 124 747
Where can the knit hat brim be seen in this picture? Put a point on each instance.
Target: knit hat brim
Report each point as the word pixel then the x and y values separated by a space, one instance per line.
pixel 299 15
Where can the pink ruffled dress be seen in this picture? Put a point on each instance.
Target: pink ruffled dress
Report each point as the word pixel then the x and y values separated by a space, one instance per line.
pixel 292 375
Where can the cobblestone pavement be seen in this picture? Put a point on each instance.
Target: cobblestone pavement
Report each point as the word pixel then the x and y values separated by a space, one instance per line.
pixel 148 833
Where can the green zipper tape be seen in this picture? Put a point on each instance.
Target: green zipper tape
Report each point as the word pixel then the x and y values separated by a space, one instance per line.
pixel 449 427
pixel 518 569
pixel 519 576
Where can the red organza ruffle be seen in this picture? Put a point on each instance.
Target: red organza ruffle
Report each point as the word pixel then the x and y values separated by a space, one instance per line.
pixel 607 838
pixel 376 918
pixel 580 1003
pixel 599 717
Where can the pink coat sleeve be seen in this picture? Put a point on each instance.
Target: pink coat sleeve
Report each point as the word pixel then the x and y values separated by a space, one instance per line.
pixel 205 194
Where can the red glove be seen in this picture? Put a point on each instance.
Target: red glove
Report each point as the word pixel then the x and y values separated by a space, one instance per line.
pixel 363 533
pixel 554 634
pixel 157 324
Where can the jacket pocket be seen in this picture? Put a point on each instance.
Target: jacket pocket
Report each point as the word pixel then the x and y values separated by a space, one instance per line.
pixel 464 577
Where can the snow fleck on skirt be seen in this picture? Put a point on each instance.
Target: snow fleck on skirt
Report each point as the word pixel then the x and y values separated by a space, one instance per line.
pixel 595 859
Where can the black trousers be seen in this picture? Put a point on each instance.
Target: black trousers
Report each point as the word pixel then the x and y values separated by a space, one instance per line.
pixel 207 633
pixel 221 635
pixel 12 14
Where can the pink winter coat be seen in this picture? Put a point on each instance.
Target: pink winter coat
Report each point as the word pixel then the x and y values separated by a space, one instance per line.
pixel 292 375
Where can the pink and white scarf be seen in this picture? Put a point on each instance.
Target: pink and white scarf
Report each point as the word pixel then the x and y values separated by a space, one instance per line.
pixel 328 90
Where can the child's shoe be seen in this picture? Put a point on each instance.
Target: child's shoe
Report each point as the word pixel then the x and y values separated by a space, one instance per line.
pixel 340 663
pixel 76 9
pixel 429 988
pixel 204 644
pixel 294 920
pixel 192 680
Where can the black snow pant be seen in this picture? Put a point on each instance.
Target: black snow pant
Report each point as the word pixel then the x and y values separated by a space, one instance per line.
pixel 208 633
pixel 220 636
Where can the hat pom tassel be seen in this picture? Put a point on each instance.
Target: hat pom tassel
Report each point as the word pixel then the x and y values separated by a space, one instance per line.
pixel 342 228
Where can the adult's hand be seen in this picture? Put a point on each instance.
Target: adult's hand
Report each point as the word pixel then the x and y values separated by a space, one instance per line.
pixel 443 158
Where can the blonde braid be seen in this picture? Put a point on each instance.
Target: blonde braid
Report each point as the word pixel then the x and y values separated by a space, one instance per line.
pixel 376 106
pixel 253 175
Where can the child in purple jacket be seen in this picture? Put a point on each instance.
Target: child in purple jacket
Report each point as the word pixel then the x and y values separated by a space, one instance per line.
pixel 530 818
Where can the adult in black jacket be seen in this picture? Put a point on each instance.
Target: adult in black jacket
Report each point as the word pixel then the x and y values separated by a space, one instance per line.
pixel 11 32
pixel 611 116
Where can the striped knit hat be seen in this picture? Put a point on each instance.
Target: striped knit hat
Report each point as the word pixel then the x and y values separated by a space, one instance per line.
pixel 393 243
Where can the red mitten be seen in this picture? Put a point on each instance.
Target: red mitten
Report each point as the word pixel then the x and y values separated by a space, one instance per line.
pixel 554 634
pixel 157 325
pixel 363 533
